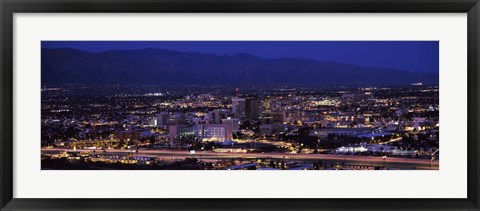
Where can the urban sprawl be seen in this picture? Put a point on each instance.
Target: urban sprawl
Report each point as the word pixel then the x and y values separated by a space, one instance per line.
pixel 247 127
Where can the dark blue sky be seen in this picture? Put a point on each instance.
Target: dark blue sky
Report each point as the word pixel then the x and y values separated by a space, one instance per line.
pixel 413 56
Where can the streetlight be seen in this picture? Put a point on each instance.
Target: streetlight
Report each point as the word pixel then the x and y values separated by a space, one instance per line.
pixel 318 143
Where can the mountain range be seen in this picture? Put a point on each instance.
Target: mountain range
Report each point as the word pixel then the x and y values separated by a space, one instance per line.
pixel 161 66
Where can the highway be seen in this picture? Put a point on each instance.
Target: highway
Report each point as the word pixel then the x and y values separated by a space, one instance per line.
pixel 173 154
pixel 392 140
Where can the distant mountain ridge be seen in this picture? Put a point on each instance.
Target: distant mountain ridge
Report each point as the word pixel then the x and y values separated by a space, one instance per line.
pixel 160 66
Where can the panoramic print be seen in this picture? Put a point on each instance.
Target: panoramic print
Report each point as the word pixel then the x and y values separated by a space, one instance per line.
pixel 240 105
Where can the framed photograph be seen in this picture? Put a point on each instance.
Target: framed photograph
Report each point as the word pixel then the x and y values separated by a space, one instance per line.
pixel 241 105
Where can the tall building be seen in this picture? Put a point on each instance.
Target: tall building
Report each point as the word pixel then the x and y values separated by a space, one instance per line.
pixel 234 123
pixel 215 117
pixel 161 119
pixel 267 105
pixel 251 108
pixel 177 132
pixel 213 132
pixel 238 107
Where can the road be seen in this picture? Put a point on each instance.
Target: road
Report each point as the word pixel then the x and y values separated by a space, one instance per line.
pixel 227 155
pixel 392 140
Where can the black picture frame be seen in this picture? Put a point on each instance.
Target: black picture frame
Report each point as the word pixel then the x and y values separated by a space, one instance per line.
pixel 9 7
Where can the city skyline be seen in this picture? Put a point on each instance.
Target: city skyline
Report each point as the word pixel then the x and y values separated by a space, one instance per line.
pixel 158 109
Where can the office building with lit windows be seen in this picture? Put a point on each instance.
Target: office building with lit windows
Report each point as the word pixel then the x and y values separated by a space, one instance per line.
pixel 213 132
pixel 177 132
pixel 238 107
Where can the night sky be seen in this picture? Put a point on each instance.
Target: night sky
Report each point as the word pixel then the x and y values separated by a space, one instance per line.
pixel 413 56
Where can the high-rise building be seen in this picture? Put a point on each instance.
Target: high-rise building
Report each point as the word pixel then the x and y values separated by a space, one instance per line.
pixel 251 108
pixel 233 123
pixel 267 105
pixel 161 119
pixel 238 107
pixel 213 132
pixel 216 116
